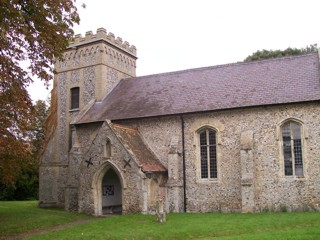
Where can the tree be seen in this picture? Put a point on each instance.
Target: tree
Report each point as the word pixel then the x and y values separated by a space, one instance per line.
pixel 26 180
pixel 267 54
pixel 32 34
pixel 37 131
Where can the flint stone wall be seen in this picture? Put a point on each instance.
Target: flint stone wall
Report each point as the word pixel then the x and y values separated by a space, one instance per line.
pixel 94 63
pixel 272 190
pixel 93 140
pixel 163 136
pixel 52 176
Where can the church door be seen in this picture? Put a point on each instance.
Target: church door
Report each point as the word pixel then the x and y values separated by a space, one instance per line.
pixel 111 193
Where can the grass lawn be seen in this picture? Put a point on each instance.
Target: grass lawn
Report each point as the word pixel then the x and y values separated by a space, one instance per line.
pixel 23 216
pixel 298 225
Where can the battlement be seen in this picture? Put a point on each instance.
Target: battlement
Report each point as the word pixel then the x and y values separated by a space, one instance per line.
pixel 102 34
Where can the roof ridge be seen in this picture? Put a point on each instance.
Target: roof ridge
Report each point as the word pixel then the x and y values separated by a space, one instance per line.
pixel 221 66
pixel 283 80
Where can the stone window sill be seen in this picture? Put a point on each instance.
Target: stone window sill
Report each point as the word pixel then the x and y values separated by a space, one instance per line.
pixel 208 181
pixel 293 178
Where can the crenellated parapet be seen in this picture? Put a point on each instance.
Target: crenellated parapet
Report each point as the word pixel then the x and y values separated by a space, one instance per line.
pixel 99 48
pixel 103 35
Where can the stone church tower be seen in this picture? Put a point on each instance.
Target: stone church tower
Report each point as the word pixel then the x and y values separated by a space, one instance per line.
pixel 92 66
pixel 237 137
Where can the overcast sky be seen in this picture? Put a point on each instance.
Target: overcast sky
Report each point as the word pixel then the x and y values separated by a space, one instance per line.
pixel 173 35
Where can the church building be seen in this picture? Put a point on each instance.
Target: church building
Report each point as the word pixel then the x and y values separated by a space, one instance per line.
pixel 241 137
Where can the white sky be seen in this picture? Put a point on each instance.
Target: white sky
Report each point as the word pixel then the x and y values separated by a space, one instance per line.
pixel 173 35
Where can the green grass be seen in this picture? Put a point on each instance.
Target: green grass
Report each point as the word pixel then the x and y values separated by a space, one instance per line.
pixel 199 226
pixel 297 225
pixel 23 216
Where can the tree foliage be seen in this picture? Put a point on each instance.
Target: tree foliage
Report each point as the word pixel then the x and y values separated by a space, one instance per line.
pixel 36 31
pixel 32 34
pixel 24 180
pixel 267 54
pixel 37 131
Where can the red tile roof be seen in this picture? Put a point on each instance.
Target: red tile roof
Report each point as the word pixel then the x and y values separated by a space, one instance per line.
pixel 275 81
pixel 133 142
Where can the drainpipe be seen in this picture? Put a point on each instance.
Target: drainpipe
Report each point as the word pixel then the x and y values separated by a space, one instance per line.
pixel 183 166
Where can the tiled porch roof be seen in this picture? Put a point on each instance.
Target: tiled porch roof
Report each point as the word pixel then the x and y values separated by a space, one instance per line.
pixel 133 142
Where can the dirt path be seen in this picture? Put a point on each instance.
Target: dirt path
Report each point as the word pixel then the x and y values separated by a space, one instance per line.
pixel 50 229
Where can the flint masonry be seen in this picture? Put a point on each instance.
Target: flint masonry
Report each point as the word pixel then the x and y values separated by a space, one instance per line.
pixel 239 137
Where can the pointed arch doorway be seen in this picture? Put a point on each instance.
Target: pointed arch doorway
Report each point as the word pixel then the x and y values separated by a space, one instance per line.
pixel 111 193
pixel 108 186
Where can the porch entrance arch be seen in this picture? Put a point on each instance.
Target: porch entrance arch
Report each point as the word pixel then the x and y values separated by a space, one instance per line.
pixel 108 185
pixel 111 193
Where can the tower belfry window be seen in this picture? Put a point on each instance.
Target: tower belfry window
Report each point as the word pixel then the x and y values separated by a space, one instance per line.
pixel 75 96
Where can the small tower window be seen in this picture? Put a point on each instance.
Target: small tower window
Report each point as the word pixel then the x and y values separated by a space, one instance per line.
pixel 75 95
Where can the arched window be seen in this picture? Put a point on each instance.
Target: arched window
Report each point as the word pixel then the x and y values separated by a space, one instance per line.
pixel 292 149
pixel 75 95
pixel 208 153
pixel 107 149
